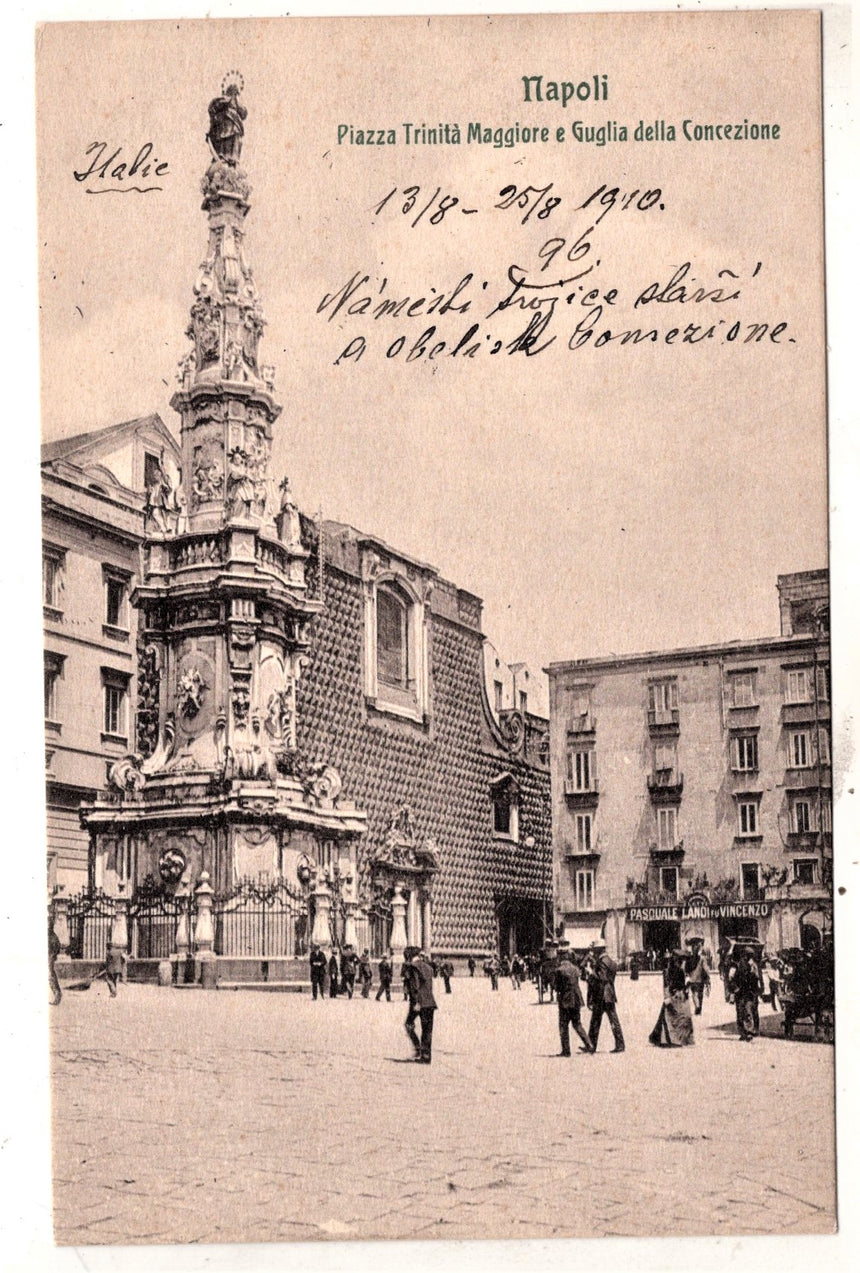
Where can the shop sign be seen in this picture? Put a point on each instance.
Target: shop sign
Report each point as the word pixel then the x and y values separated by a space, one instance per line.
pixel 699 910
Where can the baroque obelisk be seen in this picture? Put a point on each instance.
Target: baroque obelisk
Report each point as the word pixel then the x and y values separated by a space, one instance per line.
pixel 216 783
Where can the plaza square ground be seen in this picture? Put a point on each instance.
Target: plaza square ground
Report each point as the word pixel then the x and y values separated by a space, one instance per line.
pixel 225 1116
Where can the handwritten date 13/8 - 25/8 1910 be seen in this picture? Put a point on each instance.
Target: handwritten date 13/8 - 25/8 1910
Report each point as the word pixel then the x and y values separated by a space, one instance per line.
pixel 540 297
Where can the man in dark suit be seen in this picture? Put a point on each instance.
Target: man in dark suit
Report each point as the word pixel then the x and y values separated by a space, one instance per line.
pixel 318 964
pixel 410 992
pixel 569 997
pixel 365 973
pixel 386 972
pixel 603 998
pixel 426 1005
pixel 347 970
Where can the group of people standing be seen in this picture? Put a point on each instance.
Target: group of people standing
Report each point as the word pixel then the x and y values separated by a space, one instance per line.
pixel 598 970
pixel 343 968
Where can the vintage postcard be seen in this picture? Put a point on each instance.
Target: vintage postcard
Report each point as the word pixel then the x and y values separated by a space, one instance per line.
pixel 436 602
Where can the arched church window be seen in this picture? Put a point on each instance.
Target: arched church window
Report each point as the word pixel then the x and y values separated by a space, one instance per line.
pixel 392 633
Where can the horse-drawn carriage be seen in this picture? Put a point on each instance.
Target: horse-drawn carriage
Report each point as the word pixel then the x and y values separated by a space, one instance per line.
pixel 808 991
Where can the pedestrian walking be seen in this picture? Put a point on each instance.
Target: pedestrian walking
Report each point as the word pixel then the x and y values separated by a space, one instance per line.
pixel 470 962
pixel 745 984
pixel 516 972
pixel 426 1004
pixel 546 975
pixel 386 972
pixel 698 978
pixel 318 963
pixel 112 969
pixel 770 980
pixel 569 998
pixel 365 973
pixel 603 997
pixel 674 1027
pixel 333 976
pixel 54 949
pixel 724 965
pixel 446 968
pixel 347 970
pixel 410 992
pixel 491 970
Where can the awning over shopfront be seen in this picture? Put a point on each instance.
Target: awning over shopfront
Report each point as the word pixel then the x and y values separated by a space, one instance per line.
pixel 581 938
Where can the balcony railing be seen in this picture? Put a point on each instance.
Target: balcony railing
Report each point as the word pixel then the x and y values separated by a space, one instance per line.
pixel 665 786
pixel 664 720
pixel 582 724
pixel 581 796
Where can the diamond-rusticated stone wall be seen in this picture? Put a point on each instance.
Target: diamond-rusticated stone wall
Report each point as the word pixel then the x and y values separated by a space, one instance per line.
pixel 442 770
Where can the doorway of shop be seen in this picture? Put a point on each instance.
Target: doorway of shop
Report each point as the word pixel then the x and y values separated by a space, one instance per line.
pixel 661 936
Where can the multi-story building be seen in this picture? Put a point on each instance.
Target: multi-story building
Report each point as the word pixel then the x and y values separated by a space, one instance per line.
pixel 692 788
pixel 92 527
pixel 400 693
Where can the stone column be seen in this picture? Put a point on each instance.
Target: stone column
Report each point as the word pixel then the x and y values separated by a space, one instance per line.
pixel 119 924
pixel 350 936
pixel 398 922
pixel 205 962
pixel 61 925
pixel 427 922
pixel 321 935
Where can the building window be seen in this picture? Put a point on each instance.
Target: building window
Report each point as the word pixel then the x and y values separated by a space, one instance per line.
pixel 505 797
pixel 115 692
pixel 663 699
pixel 53 674
pixel 392 647
pixel 665 758
pixel 116 601
pixel 581 708
pixel 745 753
pixel 823 682
pixel 498 689
pixel 805 871
pixel 667 828
pixel 152 472
pixel 825 817
pixel 669 880
pixel 583 832
pixel 797 685
pixel 584 884
pixel 750 882
pixel 581 769
pixel 799 751
pixel 823 746
pixel 524 702
pixel 743 689
pixel 53 561
pixel 396 649
pixel 748 819
pixel 801 817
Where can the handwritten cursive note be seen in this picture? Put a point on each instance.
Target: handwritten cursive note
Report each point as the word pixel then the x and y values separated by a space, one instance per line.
pixel 563 293
pixel 120 176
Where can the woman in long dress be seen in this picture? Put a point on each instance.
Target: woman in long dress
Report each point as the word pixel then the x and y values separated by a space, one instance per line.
pixel 674 1028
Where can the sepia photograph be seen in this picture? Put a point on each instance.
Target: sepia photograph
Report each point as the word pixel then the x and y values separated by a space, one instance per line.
pixel 439 725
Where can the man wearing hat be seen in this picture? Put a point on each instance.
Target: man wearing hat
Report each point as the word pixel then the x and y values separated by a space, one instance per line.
pixel 569 998
pixel 603 997
pixel 318 964
pixel 426 1002
pixel 698 977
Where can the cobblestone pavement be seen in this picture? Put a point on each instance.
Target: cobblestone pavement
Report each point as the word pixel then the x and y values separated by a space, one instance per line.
pixel 192 1116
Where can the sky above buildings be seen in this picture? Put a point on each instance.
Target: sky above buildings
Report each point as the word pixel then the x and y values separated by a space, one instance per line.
pixel 599 500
